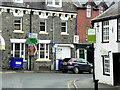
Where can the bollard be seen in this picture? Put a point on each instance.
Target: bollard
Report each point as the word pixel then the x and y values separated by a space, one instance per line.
pixel 96 84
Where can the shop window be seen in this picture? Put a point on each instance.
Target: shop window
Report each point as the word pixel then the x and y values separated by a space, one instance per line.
pixel 43 51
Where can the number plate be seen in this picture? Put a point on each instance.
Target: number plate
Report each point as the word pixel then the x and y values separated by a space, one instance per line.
pixel 64 63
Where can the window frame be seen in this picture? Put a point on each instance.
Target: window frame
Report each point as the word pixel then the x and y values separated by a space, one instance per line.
pixel 64 27
pixel 53 3
pixel 20 51
pixel 21 23
pixel 45 25
pixel 100 10
pixel 89 11
pixel 45 54
pixel 118 30
pixel 106 57
pixel 105 31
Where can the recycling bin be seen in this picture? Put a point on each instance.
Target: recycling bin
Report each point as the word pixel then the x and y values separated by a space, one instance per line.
pixel 16 63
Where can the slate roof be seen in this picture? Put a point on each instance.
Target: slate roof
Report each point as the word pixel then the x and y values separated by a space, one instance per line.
pixel 112 12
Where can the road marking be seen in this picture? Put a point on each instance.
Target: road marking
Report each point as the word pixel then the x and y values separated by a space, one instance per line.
pixel 6 72
pixel 69 84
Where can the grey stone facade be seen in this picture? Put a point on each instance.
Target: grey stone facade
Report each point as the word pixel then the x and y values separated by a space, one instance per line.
pixel 8 28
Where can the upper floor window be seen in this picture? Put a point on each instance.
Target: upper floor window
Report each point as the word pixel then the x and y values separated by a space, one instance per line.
pixel 18 1
pixel 18 23
pixel 88 11
pixel 118 31
pixel 54 3
pixel 100 10
pixel 43 25
pixel 63 27
pixel 105 31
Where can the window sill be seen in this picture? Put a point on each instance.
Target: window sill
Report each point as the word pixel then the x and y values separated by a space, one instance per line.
pixel 63 34
pixel 24 60
pixel 18 31
pixel 105 42
pixel 42 33
pixel 43 60
pixel 106 74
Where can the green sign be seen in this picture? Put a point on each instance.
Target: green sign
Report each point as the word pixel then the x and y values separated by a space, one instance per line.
pixel 91 35
pixel 32 41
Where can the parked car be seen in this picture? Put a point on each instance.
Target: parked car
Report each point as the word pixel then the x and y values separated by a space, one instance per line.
pixel 77 65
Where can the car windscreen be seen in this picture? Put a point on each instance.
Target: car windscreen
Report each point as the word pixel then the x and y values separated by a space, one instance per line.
pixel 66 59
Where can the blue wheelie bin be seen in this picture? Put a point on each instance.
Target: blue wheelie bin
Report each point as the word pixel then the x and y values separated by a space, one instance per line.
pixel 16 63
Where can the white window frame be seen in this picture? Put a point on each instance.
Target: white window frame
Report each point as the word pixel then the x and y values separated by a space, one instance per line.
pixel 64 26
pixel 105 31
pixel 45 26
pixel 88 11
pixel 44 51
pixel 18 23
pixel 20 41
pixel 100 10
pixel 18 1
pixel 53 3
pixel 106 65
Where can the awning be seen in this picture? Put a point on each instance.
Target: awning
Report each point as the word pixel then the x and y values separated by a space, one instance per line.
pixel 2 43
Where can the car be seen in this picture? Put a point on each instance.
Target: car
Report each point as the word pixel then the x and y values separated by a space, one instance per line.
pixel 77 65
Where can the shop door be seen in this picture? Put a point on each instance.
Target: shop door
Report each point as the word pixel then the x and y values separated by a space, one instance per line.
pixel 116 68
pixel 81 54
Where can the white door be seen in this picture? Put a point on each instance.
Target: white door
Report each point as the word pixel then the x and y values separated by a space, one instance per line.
pixel 63 52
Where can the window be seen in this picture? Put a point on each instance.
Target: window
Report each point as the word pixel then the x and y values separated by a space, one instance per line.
pixel 18 1
pixel 100 10
pixel 88 11
pixel 18 50
pixel 64 27
pixel 106 65
pixel 118 32
pixel 42 25
pixel 43 51
pixel 18 24
pixel 105 31
pixel 54 3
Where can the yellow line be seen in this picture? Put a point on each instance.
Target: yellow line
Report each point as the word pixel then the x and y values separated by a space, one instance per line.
pixel 69 84
pixel 7 72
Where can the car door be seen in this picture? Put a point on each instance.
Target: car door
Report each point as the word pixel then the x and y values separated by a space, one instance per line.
pixel 83 65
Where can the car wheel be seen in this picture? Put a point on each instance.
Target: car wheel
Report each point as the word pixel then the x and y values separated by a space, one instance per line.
pixel 76 70
pixel 64 71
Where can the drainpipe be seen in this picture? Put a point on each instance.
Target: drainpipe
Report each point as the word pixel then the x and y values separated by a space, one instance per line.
pixel 29 57
pixel 53 48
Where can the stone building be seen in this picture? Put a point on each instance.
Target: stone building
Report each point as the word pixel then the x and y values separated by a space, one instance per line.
pixel 54 24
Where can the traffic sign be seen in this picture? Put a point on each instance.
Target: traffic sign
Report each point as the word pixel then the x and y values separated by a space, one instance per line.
pixel 32 41
pixel 53 43
pixel 32 49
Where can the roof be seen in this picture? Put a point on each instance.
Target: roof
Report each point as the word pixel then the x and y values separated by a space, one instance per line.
pixel 112 12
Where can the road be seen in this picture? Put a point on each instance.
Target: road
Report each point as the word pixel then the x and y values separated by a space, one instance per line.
pixel 41 80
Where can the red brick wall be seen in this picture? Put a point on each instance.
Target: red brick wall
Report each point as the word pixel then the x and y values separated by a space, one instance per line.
pixel 83 22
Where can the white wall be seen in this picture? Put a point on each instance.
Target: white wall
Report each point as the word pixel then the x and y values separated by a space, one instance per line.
pixel 103 49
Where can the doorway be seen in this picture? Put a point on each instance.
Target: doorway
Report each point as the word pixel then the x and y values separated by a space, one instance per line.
pixel 116 68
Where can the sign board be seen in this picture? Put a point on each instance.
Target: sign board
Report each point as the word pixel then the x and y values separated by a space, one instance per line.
pixel 76 39
pixel 32 49
pixel 53 43
pixel 32 41
pixel 91 35
pixel 33 35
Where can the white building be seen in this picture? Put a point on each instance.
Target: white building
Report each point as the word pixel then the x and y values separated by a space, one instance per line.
pixel 107 47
